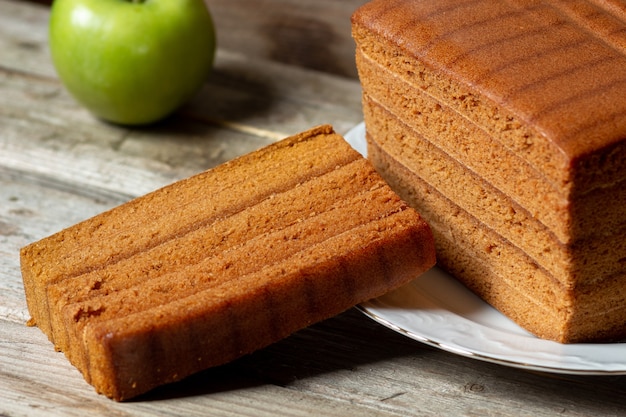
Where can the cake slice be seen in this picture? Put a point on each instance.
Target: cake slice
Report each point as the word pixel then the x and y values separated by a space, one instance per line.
pixel 218 265
pixel 504 124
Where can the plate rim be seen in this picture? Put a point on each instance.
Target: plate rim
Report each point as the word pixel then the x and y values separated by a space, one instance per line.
pixel 467 352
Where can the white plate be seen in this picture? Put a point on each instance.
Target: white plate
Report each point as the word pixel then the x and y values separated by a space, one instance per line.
pixel 437 310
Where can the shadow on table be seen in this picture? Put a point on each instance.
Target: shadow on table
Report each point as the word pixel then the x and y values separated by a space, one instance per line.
pixel 350 342
pixel 345 342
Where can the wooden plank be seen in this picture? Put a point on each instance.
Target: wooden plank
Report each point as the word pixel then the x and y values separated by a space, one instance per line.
pixel 307 34
pixel 310 34
pixel 23 38
pixel 31 208
pixel 234 113
pixel 45 132
pixel 55 388
pixel 276 97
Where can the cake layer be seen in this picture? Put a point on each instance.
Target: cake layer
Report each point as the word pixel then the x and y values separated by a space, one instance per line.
pixel 231 260
pixel 503 275
pixel 222 265
pixel 62 255
pixel 582 262
pixel 532 74
pixel 598 212
pixel 281 210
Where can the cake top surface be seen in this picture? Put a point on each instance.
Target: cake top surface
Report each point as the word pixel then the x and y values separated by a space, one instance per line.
pixel 558 65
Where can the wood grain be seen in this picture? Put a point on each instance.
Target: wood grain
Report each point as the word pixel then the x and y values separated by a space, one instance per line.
pixel 59 165
pixel 307 34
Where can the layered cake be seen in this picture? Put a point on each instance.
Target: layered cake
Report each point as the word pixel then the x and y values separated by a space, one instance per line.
pixel 223 263
pixel 504 124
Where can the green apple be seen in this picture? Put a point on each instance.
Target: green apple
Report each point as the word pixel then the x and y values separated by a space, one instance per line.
pixel 132 62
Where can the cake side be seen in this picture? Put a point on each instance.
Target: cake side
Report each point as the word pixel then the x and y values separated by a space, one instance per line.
pixel 573 264
pixel 469 144
pixel 503 275
pixel 571 216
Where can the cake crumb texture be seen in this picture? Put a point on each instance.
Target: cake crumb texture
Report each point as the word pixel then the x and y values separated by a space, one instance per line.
pixel 504 124
pixel 223 263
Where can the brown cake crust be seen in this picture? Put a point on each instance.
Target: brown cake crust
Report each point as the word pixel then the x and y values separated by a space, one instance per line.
pixel 527 70
pixel 500 116
pixel 232 259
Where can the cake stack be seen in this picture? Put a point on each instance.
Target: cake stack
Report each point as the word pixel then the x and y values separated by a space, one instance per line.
pixel 223 263
pixel 504 124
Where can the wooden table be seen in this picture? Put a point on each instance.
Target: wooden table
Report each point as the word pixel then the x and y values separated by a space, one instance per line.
pixel 58 165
